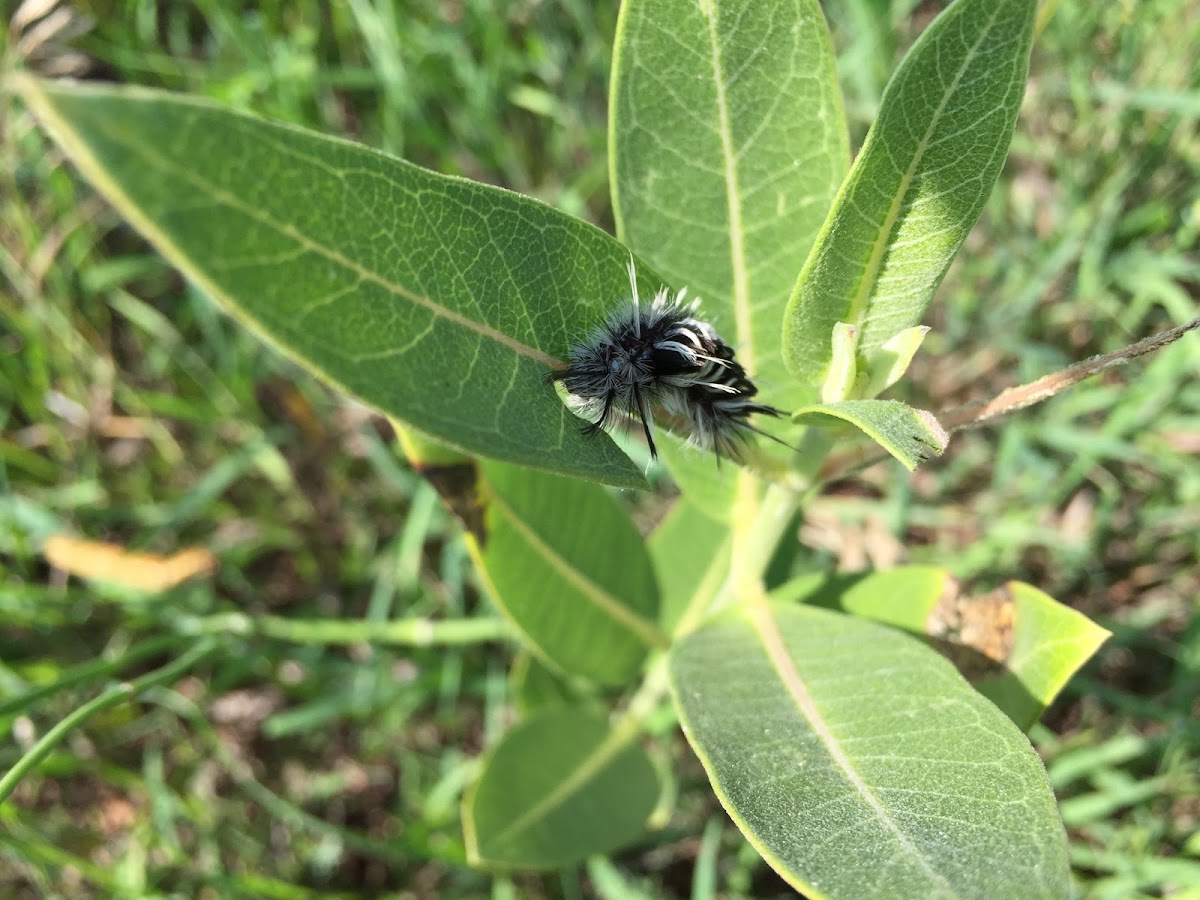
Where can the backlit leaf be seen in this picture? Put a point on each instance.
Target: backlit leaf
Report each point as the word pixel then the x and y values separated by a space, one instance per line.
pixel 1049 643
pixel 1017 645
pixel 439 301
pixel 565 563
pixel 911 435
pixel 559 787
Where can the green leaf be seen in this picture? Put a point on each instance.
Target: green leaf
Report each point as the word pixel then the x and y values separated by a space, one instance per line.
pixel 691 555
pixel 727 143
pixel 566 565
pixel 535 687
pixel 711 486
pixel 1049 643
pixel 887 363
pixel 558 788
pixel 918 185
pixel 439 301
pixel 910 435
pixel 1017 645
pixel 902 597
pixel 860 764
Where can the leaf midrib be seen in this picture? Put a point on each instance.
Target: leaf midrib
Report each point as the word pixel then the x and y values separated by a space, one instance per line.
pixel 643 629
pixel 614 742
pixel 870 275
pixel 737 250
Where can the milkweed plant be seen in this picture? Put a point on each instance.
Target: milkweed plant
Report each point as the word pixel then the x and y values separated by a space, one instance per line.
pixel 866 732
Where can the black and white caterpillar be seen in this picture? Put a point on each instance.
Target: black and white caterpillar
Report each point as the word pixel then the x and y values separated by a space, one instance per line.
pixel 662 356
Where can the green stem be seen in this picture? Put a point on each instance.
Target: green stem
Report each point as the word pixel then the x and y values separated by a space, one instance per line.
pixel 111 697
pixel 763 524
pixel 648 695
pixel 90 671
pixel 404 632
pixel 754 545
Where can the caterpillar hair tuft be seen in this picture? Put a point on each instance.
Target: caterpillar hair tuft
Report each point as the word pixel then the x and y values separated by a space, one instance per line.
pixel 662 356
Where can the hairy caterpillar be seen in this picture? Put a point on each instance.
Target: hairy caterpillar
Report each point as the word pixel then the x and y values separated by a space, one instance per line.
pixel 662 356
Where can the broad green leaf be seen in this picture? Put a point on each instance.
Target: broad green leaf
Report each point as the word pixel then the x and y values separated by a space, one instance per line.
pixel 565 563
pixel 558 788
pixel 727 144
pixel 691 555
pixel 918 185
pixel 910 435
pixel 1017 645
pixel 861 764
pixel 441 302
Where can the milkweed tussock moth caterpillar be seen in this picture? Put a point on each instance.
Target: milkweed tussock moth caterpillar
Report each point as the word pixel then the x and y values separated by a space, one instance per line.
pixel 662 356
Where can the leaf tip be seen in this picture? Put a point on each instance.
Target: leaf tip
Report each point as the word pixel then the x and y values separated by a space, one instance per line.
pixel 938 437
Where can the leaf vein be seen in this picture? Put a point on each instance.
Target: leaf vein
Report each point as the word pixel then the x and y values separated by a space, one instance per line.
pixel 221 195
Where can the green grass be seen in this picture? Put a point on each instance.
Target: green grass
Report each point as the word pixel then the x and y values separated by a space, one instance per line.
pixel 286 764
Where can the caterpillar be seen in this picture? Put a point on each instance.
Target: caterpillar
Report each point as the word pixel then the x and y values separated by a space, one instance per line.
pixel 662 356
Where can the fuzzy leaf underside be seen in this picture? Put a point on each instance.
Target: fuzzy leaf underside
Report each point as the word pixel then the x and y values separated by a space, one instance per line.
pixel 860 764
pixel 910 435
pixel 918 185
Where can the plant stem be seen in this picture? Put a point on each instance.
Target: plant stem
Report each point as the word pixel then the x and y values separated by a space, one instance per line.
pixel 111 697
pixel 1015 398
pixel 91 671
pixel 757 529
pixel 646 698
pixel 755 543
pixel 404 632
pixel 627 724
